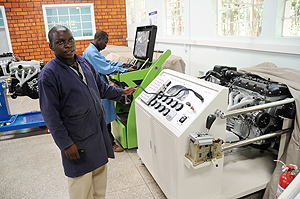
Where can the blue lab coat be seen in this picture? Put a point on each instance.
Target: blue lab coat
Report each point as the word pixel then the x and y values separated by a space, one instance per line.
pixel 73 112
pixel 104 67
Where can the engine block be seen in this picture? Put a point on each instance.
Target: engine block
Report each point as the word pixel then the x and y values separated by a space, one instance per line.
pixel 24 74
pixel 246 90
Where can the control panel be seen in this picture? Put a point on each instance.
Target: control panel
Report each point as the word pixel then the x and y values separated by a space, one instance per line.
pixel 175 100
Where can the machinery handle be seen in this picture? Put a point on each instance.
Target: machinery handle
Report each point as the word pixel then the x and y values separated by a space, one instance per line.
pixel 210 120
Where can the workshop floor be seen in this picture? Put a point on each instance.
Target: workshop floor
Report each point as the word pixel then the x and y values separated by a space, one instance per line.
pixel 30 166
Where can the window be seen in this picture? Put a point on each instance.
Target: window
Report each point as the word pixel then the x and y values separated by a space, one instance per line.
pixel 1 20
pixel 130 10
pixel 291 20
pixel 174 17
pixel 79 18
pixel 142 10
pixel 240 17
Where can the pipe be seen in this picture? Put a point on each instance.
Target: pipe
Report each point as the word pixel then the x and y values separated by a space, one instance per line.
pixel 249 141
pixel 223 115
pixel 241 104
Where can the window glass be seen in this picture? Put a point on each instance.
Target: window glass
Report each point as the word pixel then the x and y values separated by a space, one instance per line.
pixel 142 10
pixel 77 33
pixel 85 11
pixel 240 17
pixel 63 19
pixel 52 19
pixel 86 25
pixel 51 12
pixel 74 11
pixel 1 19
pixel 88 32
pixel 130 9
pixel 291 20
pixel 174 17
pixel 86 18
pixel 63 11
pixel 76 17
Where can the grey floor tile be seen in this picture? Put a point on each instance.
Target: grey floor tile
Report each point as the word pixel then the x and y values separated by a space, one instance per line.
pixel 31 168
pixel 141 167
pixel 156 191
pixel 30 165
pixel 122 173
pixel 138 192
pixel 22 104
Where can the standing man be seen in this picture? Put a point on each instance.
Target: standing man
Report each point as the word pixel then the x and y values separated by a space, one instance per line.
pixel 105 67
pixel 70 92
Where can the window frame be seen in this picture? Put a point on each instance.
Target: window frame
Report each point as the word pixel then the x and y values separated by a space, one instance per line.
pixel 142 11
pixel 81 5
pixel 172 16
pixel 239 21
pixel 285 20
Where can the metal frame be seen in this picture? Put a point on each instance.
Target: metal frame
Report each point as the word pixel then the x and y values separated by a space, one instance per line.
pixel 10 122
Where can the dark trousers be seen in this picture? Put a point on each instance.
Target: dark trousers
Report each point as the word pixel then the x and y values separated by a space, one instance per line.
pixel 111 136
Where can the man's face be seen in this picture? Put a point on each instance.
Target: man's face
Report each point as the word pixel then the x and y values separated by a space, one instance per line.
pixel 63 44
pixel 101 43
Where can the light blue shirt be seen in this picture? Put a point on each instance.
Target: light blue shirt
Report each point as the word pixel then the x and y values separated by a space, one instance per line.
pixel 104 67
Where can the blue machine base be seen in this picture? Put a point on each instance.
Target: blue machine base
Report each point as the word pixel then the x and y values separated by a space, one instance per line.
pixel 23 120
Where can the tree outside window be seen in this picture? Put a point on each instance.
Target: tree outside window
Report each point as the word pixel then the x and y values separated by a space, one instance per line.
pixel 174 17
pixel 240 17
pixel 291 20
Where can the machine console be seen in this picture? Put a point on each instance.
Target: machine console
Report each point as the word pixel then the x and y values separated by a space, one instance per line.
pixel 176 100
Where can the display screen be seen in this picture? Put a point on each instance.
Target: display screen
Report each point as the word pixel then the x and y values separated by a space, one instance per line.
pixel 141 43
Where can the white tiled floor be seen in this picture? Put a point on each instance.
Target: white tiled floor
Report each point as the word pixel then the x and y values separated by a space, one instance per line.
pixel 30 166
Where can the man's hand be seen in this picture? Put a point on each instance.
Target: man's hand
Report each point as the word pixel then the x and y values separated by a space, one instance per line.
pixel 131 69
pixel 129 91
pixel 72 152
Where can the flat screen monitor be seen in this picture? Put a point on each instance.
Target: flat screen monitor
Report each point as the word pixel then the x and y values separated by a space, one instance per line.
pixel 144 42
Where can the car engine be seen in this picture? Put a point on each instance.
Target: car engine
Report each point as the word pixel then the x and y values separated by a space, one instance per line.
pixel 22 75
pixel 247 90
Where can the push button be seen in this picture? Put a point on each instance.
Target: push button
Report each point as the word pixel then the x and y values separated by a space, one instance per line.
pixel 153 102
pixel 157 105
pixel 166 111
pixel 161 108
pixel 164 98
pixel 182 119
pixel 179 107
pixel 169 100
pixel 173 104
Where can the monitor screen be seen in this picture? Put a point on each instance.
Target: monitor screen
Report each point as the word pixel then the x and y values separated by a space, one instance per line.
pixel 141 43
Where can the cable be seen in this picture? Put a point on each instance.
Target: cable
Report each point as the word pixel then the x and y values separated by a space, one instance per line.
pixel 161 94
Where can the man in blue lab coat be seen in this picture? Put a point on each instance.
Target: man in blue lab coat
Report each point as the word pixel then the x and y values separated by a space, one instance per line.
pixel 105 67
pixel 70 93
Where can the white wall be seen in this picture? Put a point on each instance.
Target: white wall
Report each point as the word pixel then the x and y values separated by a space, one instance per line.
pixel 201 49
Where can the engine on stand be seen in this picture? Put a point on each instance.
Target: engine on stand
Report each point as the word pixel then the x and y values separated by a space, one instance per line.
pixel 246 90
pixel 22 75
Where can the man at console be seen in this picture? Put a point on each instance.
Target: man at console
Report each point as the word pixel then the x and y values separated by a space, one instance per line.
pixel 105 67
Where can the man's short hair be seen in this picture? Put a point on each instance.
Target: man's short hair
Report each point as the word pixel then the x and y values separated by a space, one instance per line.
pixel 101 34
pixel 53 29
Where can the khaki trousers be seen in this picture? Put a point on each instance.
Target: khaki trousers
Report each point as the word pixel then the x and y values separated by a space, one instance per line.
pixel 89 186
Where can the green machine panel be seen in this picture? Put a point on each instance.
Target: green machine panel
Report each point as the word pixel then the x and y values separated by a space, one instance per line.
pixel 124 128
